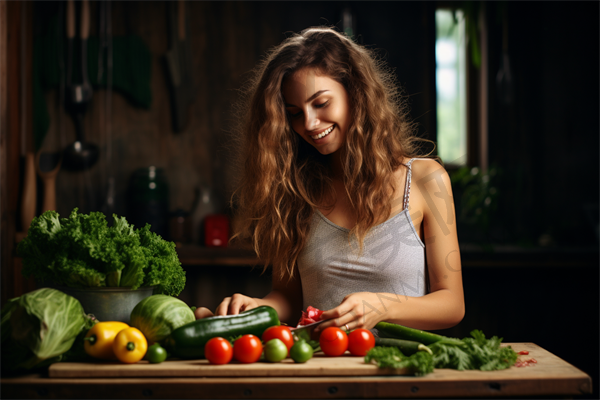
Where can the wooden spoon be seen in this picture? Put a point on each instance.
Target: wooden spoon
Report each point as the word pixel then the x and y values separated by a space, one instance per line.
pixel 47 166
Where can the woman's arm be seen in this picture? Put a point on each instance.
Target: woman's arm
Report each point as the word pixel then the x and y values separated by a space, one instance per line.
pixel 285 297
pixel 443 307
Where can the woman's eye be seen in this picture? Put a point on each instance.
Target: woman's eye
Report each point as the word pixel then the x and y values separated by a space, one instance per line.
pixel 296 115
pixel 322 104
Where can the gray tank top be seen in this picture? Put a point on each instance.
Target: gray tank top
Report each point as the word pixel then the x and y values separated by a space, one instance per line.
pixel 392 261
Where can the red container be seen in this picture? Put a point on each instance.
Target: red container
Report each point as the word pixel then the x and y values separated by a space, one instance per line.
pixel 216 230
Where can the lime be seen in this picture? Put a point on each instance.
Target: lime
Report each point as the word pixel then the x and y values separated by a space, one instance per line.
pixel 156 354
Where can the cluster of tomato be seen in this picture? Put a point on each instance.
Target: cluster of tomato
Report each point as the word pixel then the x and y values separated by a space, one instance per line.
pixel 334 341
pixel 116 340
pixel 278 345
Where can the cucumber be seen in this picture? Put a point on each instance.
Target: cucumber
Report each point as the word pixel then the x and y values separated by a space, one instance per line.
pixel 389 330
pixel 407 347
pixel 188 341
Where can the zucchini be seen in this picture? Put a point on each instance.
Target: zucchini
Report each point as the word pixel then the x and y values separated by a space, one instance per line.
pixel 407 347
pixel 389 330
pixel 188 341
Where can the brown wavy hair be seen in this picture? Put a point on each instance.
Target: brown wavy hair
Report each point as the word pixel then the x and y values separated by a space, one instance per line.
pixel 283 179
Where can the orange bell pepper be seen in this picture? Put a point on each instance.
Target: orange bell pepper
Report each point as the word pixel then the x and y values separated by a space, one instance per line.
pixel 99 339
pixel 130 345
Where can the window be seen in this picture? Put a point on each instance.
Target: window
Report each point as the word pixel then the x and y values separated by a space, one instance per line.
pixel 451 87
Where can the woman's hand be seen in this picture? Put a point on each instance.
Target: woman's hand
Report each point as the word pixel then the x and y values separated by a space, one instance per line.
pixel 202 312
pixel 357 310
pixel 236 304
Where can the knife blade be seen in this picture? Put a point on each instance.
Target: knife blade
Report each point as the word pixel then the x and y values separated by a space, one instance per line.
pixel 305 332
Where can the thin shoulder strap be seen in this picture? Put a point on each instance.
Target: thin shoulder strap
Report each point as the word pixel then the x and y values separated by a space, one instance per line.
pixel 408 180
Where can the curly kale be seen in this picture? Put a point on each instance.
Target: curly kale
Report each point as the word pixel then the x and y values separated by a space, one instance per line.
pixel 83 251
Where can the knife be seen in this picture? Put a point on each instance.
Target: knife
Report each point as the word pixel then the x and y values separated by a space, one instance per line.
pixel 305 332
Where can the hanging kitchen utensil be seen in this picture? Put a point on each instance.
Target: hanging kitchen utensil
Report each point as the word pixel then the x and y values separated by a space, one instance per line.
pixel 79 155
pixel 47 165
pixel 105 52
pixel 179 66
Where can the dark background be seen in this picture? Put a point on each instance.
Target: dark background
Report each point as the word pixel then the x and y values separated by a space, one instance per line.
pixel 530 275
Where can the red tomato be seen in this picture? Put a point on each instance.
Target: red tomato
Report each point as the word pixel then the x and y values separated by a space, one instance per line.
pixel 247 349
pixel 218 351
pixel 333 341
pixel 360 341
pixel 309 316
pixel 314 313
pixel 281 332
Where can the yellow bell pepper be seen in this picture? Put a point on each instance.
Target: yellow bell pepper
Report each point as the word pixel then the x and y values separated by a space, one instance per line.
pixel 99 339
pixel 130 345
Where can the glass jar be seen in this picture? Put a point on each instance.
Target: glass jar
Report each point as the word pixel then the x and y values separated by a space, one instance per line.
pixel 149 200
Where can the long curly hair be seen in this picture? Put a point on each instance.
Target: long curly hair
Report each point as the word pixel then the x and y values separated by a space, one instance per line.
pixel 283 179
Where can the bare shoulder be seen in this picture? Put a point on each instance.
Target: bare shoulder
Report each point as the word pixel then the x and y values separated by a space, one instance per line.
pixel 427 169
pixel 424 172
pixel 431 184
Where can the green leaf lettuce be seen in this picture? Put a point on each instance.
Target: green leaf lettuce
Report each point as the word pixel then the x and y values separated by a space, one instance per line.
pixel 83 251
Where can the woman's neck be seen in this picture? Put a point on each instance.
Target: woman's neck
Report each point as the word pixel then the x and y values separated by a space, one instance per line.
pixel 336 164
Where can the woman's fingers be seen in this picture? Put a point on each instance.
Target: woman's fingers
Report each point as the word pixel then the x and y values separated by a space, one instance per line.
pixel 350 314
pixel 202 312
pixel 235 304
pixel 339 318
pixel 223 308
pixel 240 303
pixel 334 312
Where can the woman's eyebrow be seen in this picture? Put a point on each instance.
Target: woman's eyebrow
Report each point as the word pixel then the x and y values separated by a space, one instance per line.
pixel 314 96
pixel 317 94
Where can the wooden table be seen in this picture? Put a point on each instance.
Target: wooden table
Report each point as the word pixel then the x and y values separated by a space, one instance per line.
pixel 550 377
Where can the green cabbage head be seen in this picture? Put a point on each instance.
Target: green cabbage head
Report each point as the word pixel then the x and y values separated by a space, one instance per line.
pixel 158 315
pixel 38 327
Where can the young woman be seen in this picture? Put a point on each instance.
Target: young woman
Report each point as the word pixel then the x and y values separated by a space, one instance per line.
pixel 334 197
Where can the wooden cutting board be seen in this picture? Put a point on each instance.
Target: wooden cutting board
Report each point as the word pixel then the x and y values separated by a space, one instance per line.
pixel 319 365
pixel 548 366
pixel 550 377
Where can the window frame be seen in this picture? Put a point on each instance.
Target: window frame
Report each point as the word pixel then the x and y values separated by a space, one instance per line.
pixel 476 93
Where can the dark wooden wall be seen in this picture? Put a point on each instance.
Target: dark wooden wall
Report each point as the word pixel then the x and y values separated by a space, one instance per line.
pixel 227 40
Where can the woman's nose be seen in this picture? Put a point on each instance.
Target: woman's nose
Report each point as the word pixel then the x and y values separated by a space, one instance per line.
pixel 311 122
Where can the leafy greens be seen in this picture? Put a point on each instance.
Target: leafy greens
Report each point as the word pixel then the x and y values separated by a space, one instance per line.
pixel 83 251
pixel 474 353
pixel 39 327
pixel 420 363
pixel 470 353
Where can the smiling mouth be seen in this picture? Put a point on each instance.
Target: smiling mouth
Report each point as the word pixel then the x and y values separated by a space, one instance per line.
pixel 324 133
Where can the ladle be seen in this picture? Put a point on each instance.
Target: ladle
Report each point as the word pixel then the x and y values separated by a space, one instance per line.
pixel 79 155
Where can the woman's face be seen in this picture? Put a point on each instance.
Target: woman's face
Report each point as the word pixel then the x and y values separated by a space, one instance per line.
pixel 318 109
